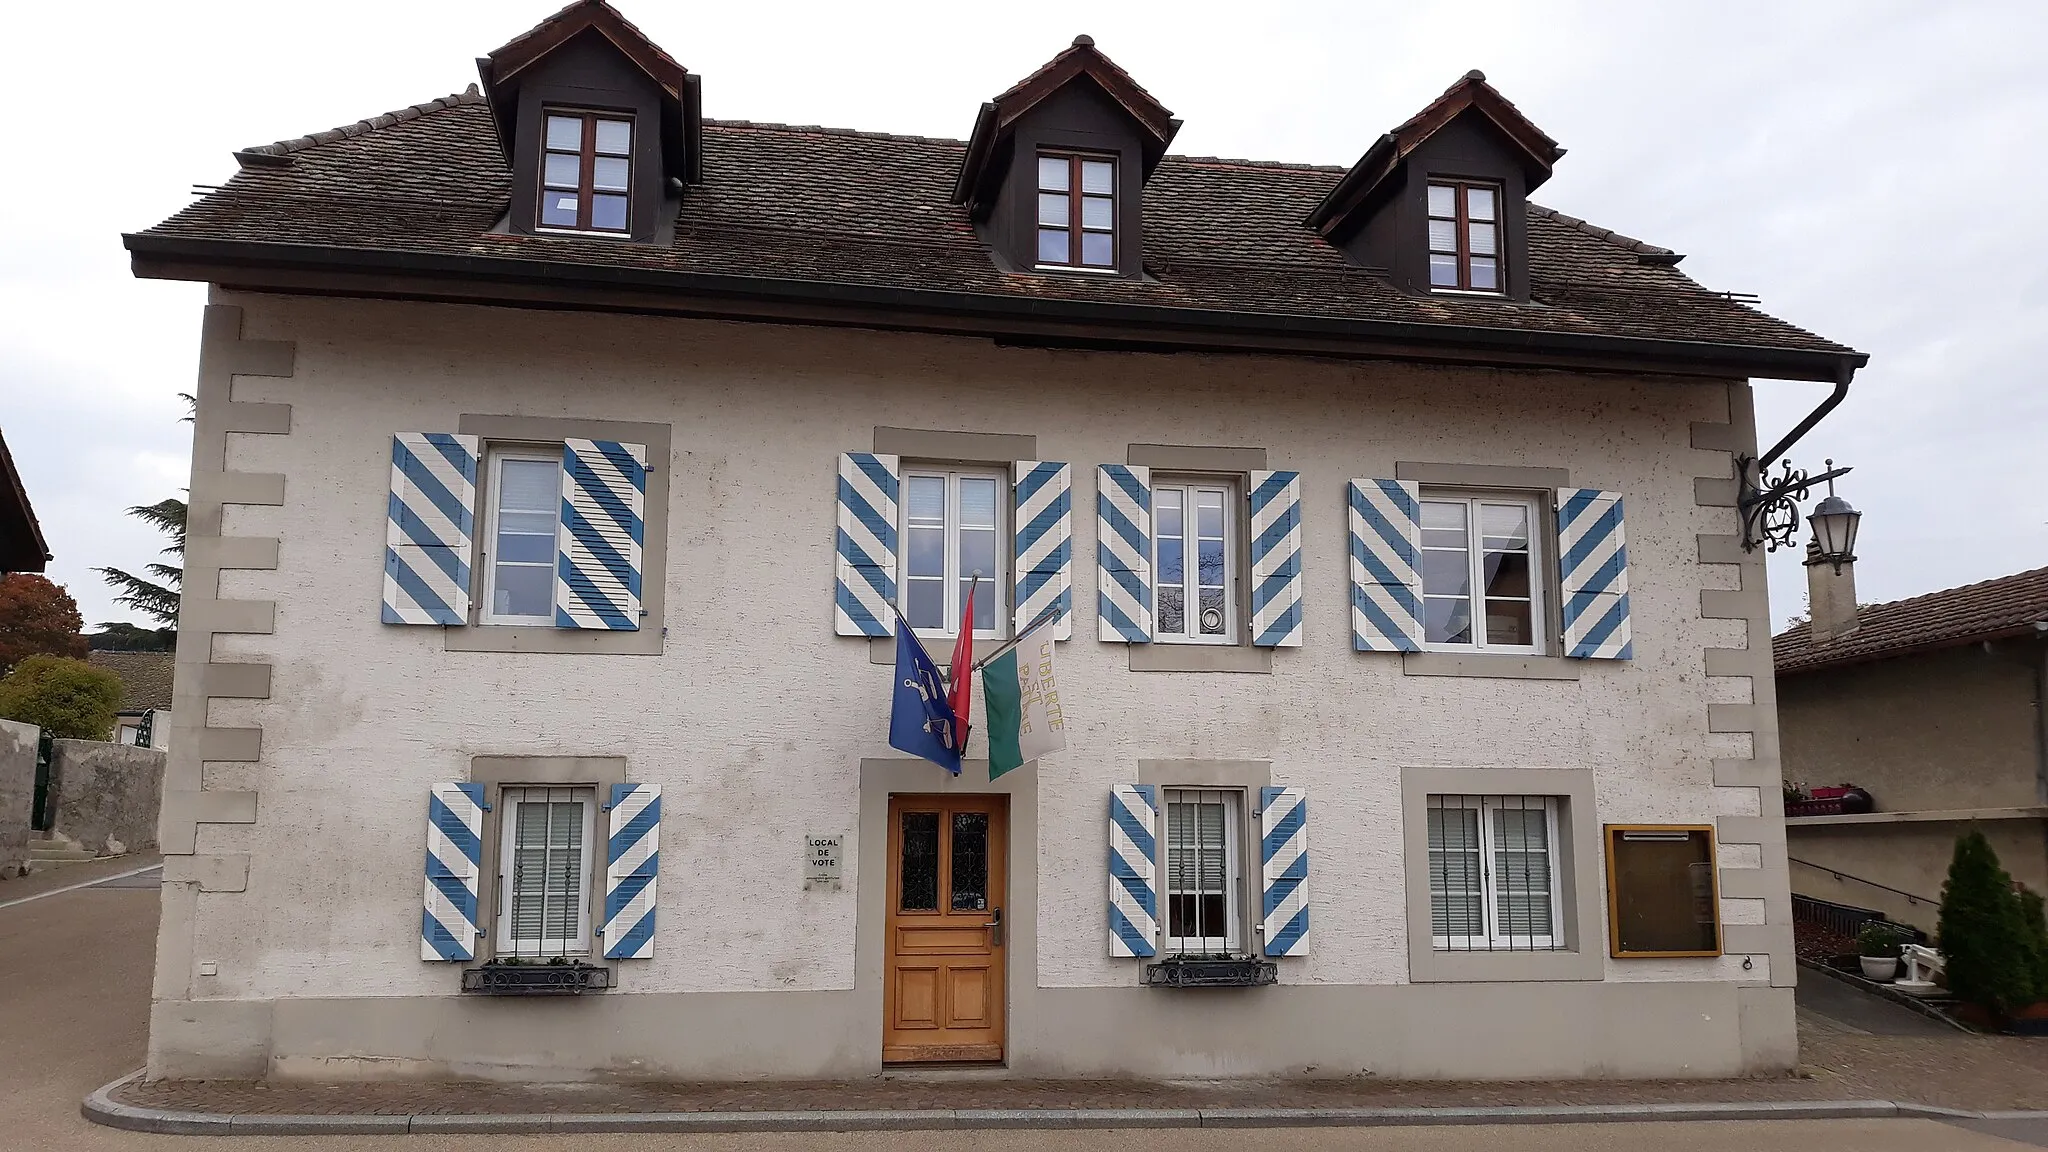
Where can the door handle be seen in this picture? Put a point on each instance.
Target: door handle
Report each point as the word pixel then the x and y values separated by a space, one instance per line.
pixel 995 928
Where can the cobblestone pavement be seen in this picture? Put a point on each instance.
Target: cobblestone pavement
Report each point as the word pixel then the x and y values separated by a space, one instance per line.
pixel 74 997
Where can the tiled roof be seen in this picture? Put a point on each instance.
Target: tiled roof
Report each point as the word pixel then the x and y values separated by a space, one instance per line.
pixel 146 676
pixel 869 209
pixel 22 547
pixel 2007 606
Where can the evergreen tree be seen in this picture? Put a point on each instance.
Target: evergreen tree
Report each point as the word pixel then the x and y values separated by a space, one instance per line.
pixel 156 598
pixel 1983 932
pixel 2035 919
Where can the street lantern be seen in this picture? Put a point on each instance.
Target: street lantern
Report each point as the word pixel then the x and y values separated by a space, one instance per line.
pixel 1834 529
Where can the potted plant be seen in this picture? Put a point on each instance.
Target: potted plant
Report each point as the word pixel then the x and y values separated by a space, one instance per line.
pixel 1877 948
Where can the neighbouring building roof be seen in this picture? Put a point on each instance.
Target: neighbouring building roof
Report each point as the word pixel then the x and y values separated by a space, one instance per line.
pixel 22 547
pixel 832 214
pixel 146 676
pixel 1990 610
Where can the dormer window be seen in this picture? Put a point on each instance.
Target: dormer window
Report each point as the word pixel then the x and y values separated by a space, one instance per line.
pixel 586 172
pixel 1464 236
pixel 1076 211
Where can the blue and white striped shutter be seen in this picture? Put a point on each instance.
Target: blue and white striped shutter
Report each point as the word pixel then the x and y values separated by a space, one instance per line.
pixel 1045 543
pixel 1133 872
pixel 1386 581
pixel 1276 559
pixel 631 860
pixel 430 516
pixel 1123 554
pixel 604 526
pixel 455 852
pixel 1283 852
pixel 865 584
pixel 1592 564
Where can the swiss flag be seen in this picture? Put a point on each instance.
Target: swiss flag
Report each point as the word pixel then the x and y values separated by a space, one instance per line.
pixel 961 692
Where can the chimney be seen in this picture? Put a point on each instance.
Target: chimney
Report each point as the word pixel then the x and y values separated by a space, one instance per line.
pixel 1830 596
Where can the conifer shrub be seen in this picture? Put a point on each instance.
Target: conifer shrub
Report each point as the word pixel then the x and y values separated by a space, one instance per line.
pixel 1984 939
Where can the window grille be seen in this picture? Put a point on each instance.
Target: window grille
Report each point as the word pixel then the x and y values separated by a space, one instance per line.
pixel 1493 875
pixel 544 872
pixel 1202 874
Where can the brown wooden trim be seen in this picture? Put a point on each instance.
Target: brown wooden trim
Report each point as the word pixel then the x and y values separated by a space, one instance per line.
pixel 1461 215
pixel 586 174
pixel 1608 834
pixel 1076 200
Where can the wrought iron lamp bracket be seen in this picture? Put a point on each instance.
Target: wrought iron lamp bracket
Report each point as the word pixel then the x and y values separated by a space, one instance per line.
pixel 1770 504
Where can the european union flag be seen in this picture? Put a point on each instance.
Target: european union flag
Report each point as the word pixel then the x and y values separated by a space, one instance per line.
pixel 920 717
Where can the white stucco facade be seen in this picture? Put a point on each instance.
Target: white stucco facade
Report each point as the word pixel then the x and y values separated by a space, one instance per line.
pixel 755 718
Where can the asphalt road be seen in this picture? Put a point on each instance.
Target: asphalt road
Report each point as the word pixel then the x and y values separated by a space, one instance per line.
pixel 74 1005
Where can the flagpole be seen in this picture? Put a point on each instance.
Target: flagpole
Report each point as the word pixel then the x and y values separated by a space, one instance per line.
pixel 1046 617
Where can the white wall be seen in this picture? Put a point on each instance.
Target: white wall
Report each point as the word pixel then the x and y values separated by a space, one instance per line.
pixel 756 717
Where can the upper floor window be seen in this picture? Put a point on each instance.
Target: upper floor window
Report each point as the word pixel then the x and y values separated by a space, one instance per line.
pixel 1193 552
pixel 1464 236
pixel 525 509
pixel 1480 588
pixel 586 172
pixel 952 530
pixel 1076 211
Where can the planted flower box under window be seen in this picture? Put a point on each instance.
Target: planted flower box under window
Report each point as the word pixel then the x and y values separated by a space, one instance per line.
pixel 570 979
pixel 1212 972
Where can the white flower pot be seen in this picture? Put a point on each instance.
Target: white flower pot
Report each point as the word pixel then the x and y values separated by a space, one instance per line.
pixel 1879 968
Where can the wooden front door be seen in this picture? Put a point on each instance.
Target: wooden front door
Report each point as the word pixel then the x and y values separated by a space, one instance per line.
pixel 943 993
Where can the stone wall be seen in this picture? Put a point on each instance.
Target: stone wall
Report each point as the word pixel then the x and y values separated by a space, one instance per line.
pixel 17 793
pixel 106 796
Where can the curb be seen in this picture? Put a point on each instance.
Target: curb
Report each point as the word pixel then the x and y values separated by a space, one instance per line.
pixel 102 1108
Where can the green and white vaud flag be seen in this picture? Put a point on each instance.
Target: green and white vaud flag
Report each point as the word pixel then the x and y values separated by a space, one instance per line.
pixel 1024 720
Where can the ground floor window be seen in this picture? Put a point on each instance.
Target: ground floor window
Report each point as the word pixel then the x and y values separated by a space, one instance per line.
pixel 1493 873
pixel 544 871
pixel 1204 877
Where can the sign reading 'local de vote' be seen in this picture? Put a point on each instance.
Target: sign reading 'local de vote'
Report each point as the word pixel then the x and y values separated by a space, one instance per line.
pixel 822 857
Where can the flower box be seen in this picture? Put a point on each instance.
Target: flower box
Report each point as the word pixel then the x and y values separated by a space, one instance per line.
pixel 1212 972
pixel 571 979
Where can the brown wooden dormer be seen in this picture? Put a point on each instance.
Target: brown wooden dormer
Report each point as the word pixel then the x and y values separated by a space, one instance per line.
pixel 601 128
pixel 1441 202
pixel 1055 170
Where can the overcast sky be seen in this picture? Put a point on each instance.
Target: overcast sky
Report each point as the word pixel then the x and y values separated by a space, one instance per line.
pixel 1872 171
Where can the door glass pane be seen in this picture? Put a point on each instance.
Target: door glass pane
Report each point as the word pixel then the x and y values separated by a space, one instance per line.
pixel 614 137
pixel 1052 246
pixel 564 171
pixel 1052 173
pixel 970 861
pixel 1097 176
pixel 1054 208
pixel 920 862
pixel 565 133
pixel 1443 200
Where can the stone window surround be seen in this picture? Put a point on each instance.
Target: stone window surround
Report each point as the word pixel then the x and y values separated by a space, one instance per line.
pixel 1241 656
pixel 497 773
pixel 929 446
pixel 1578 827
pixel 647 640
pixel 1496 477
pixel 1243 776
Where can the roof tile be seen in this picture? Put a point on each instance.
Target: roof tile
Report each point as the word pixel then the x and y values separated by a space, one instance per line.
pixel 2007 606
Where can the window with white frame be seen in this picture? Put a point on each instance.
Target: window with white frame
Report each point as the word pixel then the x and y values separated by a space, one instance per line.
pixel 1493 874
pixel 544 860
pixel 1204 877
pixel 953 528
pixel 525 487
pixel 1481 588
pixel 1194 561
